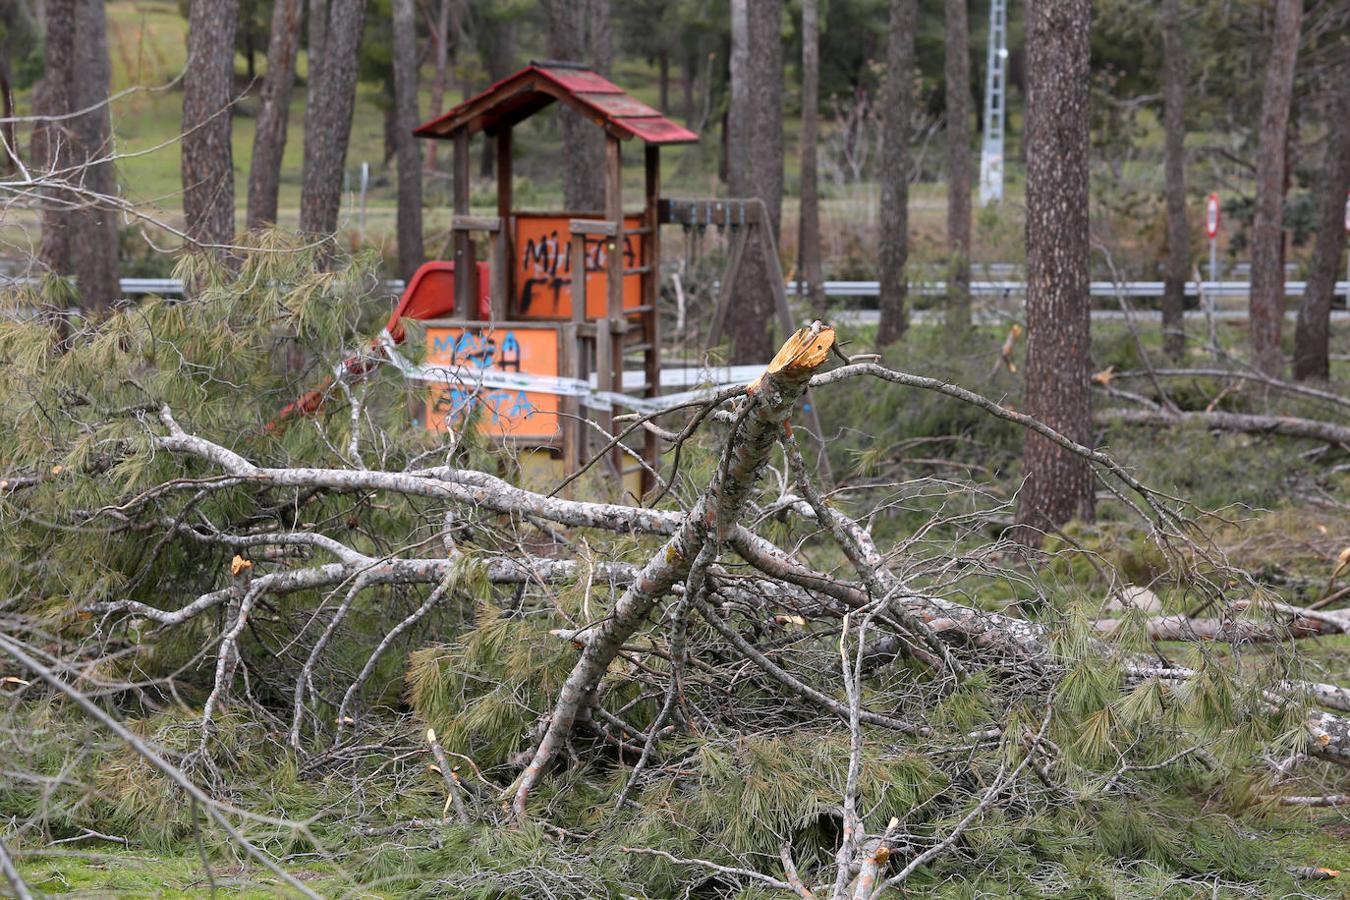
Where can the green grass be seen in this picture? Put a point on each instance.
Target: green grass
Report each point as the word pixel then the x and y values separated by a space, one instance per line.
pixel 131 873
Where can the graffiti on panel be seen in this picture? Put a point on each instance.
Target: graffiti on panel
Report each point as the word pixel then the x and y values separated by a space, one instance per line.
pixel 455 403
pixel 544 268
pixel 503 412
pixel 477 348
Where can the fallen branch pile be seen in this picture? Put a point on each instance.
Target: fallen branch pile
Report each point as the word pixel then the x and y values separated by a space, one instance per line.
pixel 605 656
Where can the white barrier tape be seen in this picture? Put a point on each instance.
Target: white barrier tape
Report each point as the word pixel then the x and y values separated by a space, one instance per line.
pixel 591 398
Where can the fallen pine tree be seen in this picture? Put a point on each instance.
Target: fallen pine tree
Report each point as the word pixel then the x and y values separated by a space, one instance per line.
pixel 755 685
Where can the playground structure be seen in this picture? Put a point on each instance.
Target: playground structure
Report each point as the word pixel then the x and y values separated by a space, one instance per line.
pixel 541 360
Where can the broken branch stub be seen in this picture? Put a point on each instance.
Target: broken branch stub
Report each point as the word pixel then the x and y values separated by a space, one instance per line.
pixel 759 422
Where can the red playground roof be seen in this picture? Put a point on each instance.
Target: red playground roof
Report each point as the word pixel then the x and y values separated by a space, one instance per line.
pixel 534 87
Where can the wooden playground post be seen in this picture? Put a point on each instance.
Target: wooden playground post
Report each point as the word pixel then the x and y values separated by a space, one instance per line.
pixel 651 290
pixel 502 268
pixel 617 324
pixel 466 266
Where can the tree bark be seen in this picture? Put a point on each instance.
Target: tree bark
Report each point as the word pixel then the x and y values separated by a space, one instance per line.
pixel 580 32
pixel 328 116
pixel 808 240
pixel 761 420
pixel 440 50
pixel 495 36
pixel 957 75
pixel 688 75
pixel 51 144
pixel 1266 312
pixel 1057 485
pixel 208 158
pixel 757 159
pixel 1311 358
pixel 94 234
pixel 269 136
pixel 1174 165
pixel 315 38
pixel 410 254
pixel 895 163
pixel 736 125
pixel 663 78
pixel 247 15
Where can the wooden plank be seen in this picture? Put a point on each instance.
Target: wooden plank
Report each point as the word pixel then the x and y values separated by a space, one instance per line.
pixel 579 436
pixel 604 379
pixel 578 264
pixel 466 269
pixel 651 287
pixel 614 214
pixel 572 429
pixel 476 223
pixel 503 273
pixel 617 324
pixel 591 227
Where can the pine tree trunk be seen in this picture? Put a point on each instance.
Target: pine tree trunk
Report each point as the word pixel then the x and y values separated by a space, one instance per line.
pixel 1314 313
pixel 957 75
pixel 51 146
pixel 808 241
pixel 894 220
pixel 1266 312
pixel 579 32
pixel 736 124
pixel 317 32
pixel 1174 164
pixel 602 37
pixel 440 45
pixel 247 14
pixel 208 159
pixel 663 78
pixel 269 136
pixel 94 233
pixel 688 75
pixel 11 151
pixel 1057 486
pixel 410 254
pixel 328 116
pixel 760 160
pixel 497 49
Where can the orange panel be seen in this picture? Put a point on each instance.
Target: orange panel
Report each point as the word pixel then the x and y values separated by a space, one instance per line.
pixel 502 412
pixel 543 264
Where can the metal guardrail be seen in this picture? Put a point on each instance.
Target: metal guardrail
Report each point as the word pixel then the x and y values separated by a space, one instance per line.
pixel 1096 289
pixel 172 287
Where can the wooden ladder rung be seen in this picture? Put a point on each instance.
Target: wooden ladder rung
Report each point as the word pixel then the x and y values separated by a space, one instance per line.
pixel 642 347
pixel 636 310
pixel 637 270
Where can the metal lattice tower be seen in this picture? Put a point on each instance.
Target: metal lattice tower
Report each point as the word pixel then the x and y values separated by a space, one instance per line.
pixel 995 104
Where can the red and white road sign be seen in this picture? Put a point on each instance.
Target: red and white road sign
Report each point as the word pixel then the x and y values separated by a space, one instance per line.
pixel 1212 215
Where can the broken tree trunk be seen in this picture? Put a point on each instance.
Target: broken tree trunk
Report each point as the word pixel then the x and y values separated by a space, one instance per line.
pixel 759 422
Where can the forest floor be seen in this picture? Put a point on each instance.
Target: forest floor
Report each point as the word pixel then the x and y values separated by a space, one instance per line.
pixel 1284 518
